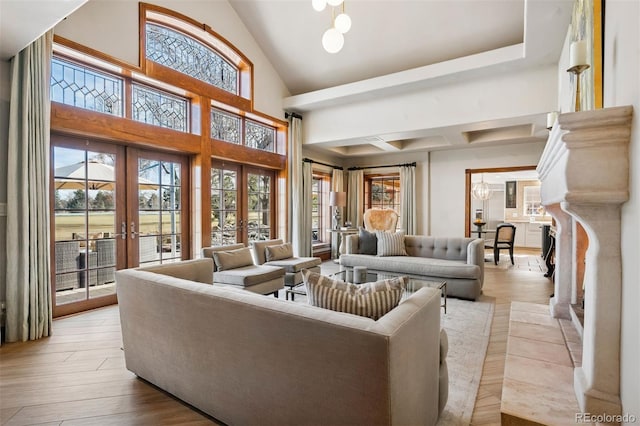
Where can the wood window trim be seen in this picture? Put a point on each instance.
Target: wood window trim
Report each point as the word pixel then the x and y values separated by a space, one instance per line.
pixel 243 64
pixel 129 168
pixel 467 189
pixel 368 178
pixel 325 214
pixel 85 123
pixel 242 171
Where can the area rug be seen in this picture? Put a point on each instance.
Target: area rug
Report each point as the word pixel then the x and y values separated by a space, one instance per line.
pixel 468 325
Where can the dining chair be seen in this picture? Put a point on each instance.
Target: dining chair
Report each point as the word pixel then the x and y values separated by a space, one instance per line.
pixel 505 236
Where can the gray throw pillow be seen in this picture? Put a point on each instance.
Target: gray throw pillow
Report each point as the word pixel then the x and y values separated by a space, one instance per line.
pixel 371 300
pixel 368 242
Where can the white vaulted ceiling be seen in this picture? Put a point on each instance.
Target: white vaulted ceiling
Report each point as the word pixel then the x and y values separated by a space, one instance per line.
pixel 23 21
pixel 386 36
pixel 401 52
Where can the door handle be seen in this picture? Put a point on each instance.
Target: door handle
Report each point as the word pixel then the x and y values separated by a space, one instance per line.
pixel 123 231
pixel 133 230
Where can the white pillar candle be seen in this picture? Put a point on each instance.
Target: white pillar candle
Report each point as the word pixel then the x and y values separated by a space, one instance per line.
pixel 551 119
pixel 578 53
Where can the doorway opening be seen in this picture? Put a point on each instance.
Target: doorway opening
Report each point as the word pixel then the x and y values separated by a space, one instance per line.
pixel 505 194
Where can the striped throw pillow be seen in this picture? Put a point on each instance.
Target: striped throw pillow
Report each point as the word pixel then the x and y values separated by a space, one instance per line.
pixel 390 243
pixel 371 300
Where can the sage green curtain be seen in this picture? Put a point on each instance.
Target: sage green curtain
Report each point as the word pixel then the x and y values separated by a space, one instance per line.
pixel 408 199
pixel 355 197
pixel 29 312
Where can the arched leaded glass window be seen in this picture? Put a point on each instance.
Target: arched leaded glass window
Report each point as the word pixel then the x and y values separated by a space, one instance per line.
pixel 182 53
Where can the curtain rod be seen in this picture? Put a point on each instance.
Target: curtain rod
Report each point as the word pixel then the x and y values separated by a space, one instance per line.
pixel 308 160
pixel 380 167
pixel 292 114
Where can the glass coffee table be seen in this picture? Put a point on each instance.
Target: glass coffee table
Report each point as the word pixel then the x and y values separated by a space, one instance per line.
pixel 413 285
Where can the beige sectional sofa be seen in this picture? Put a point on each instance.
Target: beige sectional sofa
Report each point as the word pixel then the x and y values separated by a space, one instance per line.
pixel 244 358
pixel 459 261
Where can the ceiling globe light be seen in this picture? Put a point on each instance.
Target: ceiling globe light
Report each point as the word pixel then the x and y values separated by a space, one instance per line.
pixel 319 5
pixel 332 40
pixel 481 190
pixel 334 2
pixel 343 23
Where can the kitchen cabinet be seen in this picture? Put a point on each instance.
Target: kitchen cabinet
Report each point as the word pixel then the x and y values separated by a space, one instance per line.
pixel 521 231
pixel 533 237
pixel 528 234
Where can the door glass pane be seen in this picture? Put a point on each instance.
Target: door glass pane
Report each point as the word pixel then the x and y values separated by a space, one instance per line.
pixel 159 214
pixel 84 222
pixel 258 205
pixel 224 206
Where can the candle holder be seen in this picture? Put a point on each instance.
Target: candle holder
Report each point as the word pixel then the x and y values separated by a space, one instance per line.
pixel 577 70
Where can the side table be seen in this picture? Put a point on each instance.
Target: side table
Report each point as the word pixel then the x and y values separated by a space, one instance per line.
pixel 341 233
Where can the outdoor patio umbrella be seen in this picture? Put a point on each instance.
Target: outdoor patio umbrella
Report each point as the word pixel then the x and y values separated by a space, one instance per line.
pixel 98 175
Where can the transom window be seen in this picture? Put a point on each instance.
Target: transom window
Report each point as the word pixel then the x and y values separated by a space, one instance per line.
pixel 260 136
pixel 159 108
pixel 177 51
pixel 82 87
pixel 225 127
pixel 233 128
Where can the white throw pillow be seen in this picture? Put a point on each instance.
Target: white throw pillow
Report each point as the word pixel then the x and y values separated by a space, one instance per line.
pixel 390 243
pixel 371 300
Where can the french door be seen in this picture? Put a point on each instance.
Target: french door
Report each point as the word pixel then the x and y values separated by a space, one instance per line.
pixel 112 208
pixel 242 203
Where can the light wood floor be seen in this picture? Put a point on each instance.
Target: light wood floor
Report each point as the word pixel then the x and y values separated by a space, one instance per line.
pixel 77 376
pixel 523 282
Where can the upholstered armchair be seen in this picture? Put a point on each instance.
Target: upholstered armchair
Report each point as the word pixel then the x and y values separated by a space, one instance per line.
pixel 380 220
pixel 234 266
pixel 277 253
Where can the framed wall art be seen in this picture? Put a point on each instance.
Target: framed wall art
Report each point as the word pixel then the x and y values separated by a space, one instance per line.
pixel 510 195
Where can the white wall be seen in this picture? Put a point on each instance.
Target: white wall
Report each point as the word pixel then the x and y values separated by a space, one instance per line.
pixel 503 95
pixel 422 179
pixel 566 99
pixel 447 179
pixel 622 87
pixel 112 27
pixel 440 179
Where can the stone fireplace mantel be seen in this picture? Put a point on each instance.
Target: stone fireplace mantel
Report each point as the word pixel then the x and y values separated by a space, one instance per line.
pixel 584 174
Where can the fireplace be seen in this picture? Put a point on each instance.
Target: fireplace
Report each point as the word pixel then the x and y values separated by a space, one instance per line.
pixel 584 171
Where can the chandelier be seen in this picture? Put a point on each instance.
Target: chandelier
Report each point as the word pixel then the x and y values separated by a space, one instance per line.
pixel 333 38
pixel 481 190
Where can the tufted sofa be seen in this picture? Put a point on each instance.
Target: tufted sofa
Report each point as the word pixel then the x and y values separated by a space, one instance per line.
pixel 240 357
pixel 459 261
